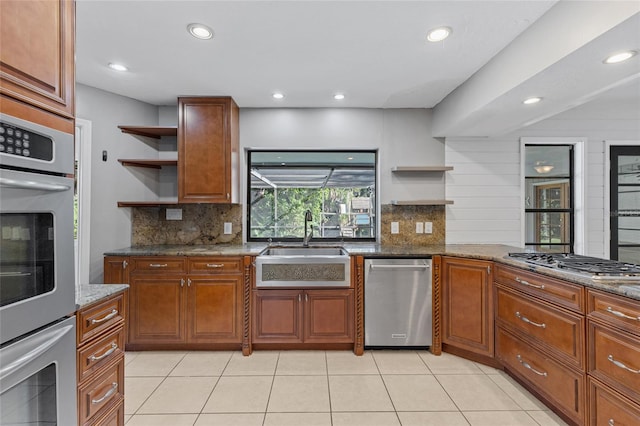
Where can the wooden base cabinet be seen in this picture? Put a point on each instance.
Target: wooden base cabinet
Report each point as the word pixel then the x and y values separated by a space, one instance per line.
pixel 303 316
pixel 613 336
pixel 182 303
pixel 467 306
pixel 100 362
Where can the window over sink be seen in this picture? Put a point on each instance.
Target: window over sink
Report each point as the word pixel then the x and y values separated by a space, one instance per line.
pixel 337 187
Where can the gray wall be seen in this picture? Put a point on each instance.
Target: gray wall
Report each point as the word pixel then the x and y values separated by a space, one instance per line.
pixel 401 136
pixel 110 181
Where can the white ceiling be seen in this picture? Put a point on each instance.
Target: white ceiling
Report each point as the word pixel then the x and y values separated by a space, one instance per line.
pixel 373 51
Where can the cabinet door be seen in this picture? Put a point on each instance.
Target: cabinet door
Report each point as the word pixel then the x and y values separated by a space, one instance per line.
pixel 277 316
pixel 37 54
pixel 116 270
pixel 207 139
pixel 214 309
pixel 467 305
pixel 156 309
pixel 328 316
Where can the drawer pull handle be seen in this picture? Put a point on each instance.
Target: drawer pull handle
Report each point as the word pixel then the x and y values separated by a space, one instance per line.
pixel 107 317
pixel 215 265
pixel 528 366
pixel 527 283
pixel 111 350
pixel 114 387
pixel 621 314
pixel 621 365
pixel 528 321
pixel 611 422
pixel 158 265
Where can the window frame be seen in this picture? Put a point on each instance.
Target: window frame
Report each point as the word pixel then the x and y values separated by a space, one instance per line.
pixel 579 193
pixel 342 239
pixel 570 209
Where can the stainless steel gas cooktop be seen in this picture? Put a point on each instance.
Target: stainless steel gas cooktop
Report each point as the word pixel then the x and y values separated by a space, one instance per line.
pixel 596 268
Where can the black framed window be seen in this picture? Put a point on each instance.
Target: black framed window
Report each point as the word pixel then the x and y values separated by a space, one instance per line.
pixel 549 198
pixel 338 187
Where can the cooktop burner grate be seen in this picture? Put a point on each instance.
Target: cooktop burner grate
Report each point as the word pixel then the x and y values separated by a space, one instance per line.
pixel 598 268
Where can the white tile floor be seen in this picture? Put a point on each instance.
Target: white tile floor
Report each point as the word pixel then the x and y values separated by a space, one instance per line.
pixel 306 388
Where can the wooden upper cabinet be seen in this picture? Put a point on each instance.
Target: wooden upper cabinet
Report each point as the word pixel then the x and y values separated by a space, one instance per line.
pixel 37 42
pixel 208 169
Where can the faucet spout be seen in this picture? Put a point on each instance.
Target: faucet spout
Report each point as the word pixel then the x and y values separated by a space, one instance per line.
pixel 307 236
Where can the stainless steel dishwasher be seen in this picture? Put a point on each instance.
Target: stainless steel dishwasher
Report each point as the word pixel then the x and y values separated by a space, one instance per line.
pixel 397 302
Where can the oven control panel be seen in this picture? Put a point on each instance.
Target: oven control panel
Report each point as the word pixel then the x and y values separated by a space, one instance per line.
pixel 24 143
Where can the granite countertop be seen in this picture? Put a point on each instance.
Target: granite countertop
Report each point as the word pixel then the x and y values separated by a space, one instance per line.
pixel 87 294
pixel 494 252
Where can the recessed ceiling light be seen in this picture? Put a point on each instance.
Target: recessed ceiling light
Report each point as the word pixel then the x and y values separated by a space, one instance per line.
pixel 438 34
pixel 117 67
pixel 533 100
pixel 620 57
pixel 278 95
pixel 338 96
pixel 349 158
pixel 200 31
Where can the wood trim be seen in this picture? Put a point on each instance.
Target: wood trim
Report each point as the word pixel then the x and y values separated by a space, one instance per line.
pixel 246 320
pixel 358 264
pixel 436 294
pixel 21 110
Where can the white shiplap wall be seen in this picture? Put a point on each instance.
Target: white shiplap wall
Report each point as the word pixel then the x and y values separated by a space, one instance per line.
pixel 485 182
pixel 485 187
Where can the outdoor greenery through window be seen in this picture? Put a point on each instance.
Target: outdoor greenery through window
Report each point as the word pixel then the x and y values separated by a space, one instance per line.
pixel 338 187
pixel 549 204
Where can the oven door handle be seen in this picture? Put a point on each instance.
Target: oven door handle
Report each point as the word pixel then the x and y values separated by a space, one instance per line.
pixel 30 184
pixel 39 345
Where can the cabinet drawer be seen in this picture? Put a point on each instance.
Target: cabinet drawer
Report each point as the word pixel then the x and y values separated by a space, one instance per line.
pixel 559 330
pixel 154 265
pixel 102 391
pixel 614 359
pixel 102 316
pixel 99 353
pixel 215 265
pixel 607 407
pixel 562 293
pixel 560 385
pixel 616 310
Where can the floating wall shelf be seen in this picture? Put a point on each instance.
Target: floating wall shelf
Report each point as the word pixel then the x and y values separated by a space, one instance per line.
pixel 420 169
pixel 151 164
pixel 155 132
pixel 420 202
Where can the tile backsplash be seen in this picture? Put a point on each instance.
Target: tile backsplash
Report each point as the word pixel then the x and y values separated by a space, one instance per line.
pixel 204 224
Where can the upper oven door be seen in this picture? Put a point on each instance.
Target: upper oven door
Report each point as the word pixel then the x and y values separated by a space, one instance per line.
pixel 31 146
pixel 36 251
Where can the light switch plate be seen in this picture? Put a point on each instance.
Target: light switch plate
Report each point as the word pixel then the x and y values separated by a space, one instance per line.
pixel 419 228
pixel 395 228
pixel 228 228
pixel 174 214
pixel 428 227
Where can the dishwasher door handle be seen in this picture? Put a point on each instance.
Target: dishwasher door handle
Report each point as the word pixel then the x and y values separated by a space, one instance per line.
pixel 402 267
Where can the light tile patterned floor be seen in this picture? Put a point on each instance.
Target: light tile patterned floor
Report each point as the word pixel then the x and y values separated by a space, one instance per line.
pixel 307 388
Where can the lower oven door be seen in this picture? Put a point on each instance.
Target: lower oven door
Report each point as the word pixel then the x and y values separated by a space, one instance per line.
pixel 36 251
pixel 38 377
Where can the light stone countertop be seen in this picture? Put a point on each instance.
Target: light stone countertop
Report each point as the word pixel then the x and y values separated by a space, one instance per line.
pixel 87 294
pixel 494 252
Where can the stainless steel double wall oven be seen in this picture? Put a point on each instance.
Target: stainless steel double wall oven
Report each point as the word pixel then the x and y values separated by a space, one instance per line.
pixel 37 289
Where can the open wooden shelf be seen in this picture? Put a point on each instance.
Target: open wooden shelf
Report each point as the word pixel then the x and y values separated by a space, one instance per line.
pixel 151 164
pixel 418 169
pixel 421 202
pixel 146 203
pixel 155 132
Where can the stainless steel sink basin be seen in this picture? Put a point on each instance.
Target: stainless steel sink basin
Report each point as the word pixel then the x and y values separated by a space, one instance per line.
pixel 304 251
pixel 303 267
